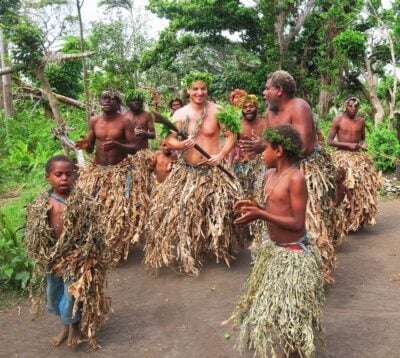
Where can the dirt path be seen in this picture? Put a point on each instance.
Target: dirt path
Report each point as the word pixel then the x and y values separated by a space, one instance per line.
pixel 174 316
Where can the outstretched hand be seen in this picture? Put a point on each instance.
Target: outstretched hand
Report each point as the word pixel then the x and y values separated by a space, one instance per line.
pixel 82 143
pixel 251 213
pixel 253 146
pixel 237 207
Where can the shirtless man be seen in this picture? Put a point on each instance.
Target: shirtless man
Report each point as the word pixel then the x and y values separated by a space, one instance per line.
pixel 349 128
pixel 361 177
pixel 318 168
pixel 110 132
pixel 109 179
pixel 285 108
pixel 162 161
pixel 193 186
pixel 141 120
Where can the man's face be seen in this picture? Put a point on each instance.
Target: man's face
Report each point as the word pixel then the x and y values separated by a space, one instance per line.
pixel 198 92
pixel 136 105
pixel 271 96
pixel 352 108
pixel 249 111
pixel 109 104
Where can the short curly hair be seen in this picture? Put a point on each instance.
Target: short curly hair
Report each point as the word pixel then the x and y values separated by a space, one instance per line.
pixel 286 136
pixel 284 80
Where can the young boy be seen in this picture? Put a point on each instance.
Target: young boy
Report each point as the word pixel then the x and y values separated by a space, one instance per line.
pixel 282 305
pixel 64 239
pixel 162 161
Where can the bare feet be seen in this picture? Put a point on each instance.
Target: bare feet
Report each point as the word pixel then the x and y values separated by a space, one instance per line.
pixel 74 336
pixel 61 337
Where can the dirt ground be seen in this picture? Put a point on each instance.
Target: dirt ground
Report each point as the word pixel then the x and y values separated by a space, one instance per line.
pixel 175 316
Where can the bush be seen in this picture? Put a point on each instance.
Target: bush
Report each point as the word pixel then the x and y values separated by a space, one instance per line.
pixel 383 141
pixel 15 268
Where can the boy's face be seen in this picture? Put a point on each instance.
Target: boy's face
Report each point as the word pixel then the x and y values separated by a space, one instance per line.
pixel 175 105
pixel 270 155
pixel 165 148
pixel 61 177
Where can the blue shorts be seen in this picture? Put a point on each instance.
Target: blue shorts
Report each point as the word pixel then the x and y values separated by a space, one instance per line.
pixel 59 301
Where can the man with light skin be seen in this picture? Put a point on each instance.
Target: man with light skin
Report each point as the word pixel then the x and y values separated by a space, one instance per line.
pixel 208 136
pixel 192 212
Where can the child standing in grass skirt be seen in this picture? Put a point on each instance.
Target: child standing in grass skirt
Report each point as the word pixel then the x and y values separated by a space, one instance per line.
pixel 281 307
pixel 65 238
pixel 123 192
pixel 191 218
pixel 320 174
pixel 364 183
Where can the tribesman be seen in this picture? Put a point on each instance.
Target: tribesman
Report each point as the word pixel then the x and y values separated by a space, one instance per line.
pixel 113 179
pixel 250 168
pixel 64 236
pixel 361 177
pixel 280 310
pixel 317 165
pixel 191 213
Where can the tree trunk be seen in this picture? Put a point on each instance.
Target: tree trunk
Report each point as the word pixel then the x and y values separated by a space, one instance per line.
pixel 372 81
pixel 6 85
pixel 84 70
pixel 39 72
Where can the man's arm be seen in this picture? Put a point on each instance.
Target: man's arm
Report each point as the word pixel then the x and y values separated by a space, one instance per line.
pixel 172 139
pixel 363 142
pixel 88 142
pixel 150 133
pixel 226 149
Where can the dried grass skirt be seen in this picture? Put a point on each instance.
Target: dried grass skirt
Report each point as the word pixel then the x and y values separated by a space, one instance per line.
pixel 320 174
pixel 191 217
pixel 123 191
pixel 364 184
pixel 282 304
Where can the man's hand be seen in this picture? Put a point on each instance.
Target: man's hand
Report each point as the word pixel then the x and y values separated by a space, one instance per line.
pixel 251 213
pixel 353 146
pixel 253 146
pixel 215 160
pixel 188 143
pixel 109 144
pixel 82 143
pixel 139 132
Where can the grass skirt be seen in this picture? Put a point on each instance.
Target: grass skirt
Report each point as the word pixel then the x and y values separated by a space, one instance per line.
pixel 191 217
pixel 364 184
pixel 320 174
pixel 79 256
pixel 123 191
pixel 282 303
pixel 251 176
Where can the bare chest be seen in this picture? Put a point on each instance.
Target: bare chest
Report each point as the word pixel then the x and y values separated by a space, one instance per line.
pixel 105 129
